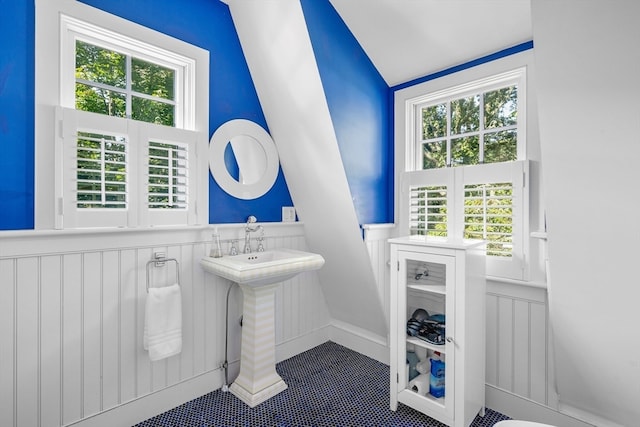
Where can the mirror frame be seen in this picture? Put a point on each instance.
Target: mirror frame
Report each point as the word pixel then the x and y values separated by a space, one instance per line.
pixel 218 143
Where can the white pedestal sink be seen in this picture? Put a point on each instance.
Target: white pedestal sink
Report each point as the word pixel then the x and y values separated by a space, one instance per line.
pixel 258 274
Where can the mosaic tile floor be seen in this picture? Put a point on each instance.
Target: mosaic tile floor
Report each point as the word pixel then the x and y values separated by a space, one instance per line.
pixel 329 386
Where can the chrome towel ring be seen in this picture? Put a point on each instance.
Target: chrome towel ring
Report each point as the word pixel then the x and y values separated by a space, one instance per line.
pixel 159 261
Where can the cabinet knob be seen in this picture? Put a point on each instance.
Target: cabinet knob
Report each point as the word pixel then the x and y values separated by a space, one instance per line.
pixel 449 339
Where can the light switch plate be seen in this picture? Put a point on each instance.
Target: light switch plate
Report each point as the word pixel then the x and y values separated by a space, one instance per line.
pixel 288 214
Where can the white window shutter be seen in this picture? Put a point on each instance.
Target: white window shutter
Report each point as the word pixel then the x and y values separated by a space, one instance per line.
pixel 426 193
pixel 97 170
pixel 428 210
pixel 482 187
pixel 169 174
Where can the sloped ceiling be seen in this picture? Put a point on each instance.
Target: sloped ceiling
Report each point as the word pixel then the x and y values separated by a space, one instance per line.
pixel 408 39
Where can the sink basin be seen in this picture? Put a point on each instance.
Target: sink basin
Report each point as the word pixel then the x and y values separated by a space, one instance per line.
pixel 263 268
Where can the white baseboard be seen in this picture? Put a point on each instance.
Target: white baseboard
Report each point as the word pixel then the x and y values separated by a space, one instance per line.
pixel 352 337
pixel 148 406
pixel 347 335
pixel 288 349
pixel 519 408
pixel 360 340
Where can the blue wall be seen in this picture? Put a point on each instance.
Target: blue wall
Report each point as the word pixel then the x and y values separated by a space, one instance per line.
pixel 358 103
pixel 16 114
pixel 356 94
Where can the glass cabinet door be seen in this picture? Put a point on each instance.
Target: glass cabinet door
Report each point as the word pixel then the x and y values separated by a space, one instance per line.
pixel 426 328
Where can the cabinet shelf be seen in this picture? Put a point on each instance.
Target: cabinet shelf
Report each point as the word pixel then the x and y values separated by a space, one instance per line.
pixel 428 396
pixel 435 289
pixel 423 344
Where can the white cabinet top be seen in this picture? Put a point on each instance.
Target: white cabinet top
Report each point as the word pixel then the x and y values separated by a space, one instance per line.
pixel 437 242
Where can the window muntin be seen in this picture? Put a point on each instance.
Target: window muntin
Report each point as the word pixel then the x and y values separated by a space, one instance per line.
pixel 467 130
pixel 118 84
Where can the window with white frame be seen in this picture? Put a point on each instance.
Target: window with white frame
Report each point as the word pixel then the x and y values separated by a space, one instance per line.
pixel 117 83
pixel 127 123
pixel 466 175
pixel 476 123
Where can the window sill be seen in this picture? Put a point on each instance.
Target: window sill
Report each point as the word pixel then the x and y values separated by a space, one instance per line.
pixel 377 226
pixel 35 233
pixel 96 231
pixel 538 285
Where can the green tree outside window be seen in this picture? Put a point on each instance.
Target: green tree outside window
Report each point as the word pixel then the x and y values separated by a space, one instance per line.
pixel 115 84
pixel 475 129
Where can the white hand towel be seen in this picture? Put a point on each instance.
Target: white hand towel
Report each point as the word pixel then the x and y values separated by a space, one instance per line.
pixel 163 322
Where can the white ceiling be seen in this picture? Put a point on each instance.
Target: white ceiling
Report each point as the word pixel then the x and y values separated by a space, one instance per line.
pixel 407 39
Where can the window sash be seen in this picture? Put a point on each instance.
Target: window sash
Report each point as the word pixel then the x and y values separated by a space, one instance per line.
pixel 449 136
pixel 414 106
pixel 126 91
pixel 184 97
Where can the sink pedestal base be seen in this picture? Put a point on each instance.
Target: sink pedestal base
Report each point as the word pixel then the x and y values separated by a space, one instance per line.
pixel 258 379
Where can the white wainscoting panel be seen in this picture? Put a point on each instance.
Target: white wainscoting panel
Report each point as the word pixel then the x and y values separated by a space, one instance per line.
pixel 517 341
pixel 72 315
pixel 375 238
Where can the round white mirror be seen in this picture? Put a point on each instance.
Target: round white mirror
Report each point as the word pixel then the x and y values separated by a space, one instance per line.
pixel 252 163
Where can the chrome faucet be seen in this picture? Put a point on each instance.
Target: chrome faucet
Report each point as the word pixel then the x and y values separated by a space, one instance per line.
pixel 248 229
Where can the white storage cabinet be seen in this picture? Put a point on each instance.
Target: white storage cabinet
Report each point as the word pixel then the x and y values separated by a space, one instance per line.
pixel 442 277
